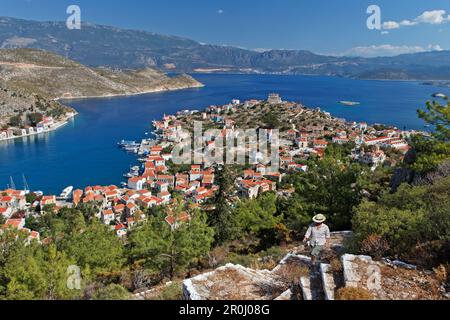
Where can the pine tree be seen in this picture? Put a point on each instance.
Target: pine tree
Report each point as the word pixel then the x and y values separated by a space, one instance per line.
pixel 167 251
pixel 430 153
pixel 222 219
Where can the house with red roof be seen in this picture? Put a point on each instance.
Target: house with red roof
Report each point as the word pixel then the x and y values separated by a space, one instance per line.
pixel 108 216
pixel 7 202
pixel 165 196
pixel 340 140
pixel 136 183
pixel 131 208
pixel 162 186
pixel 320 144
pixel 18 224
pixel 119 209
pixel 48 200
pixel 121 230
pixel 208 180
pixel 76 196
pixel 176 221
pixel 195 173
pixel 249 188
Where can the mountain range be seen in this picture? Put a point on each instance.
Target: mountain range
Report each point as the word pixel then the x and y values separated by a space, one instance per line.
pixel 98 45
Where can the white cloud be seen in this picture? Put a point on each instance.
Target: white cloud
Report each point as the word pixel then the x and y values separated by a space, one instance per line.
pixel 388 25
pixel 435 47
pixel 432 17
pixel 388 50
pixel 428 17
pixel 407 23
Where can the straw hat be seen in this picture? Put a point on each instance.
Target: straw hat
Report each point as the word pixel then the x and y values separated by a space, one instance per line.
pixel 320 218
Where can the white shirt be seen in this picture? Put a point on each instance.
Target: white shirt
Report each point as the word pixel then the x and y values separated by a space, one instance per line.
pixel 318 235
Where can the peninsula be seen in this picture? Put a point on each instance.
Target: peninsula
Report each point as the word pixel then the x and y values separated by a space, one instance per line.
pixel 32 82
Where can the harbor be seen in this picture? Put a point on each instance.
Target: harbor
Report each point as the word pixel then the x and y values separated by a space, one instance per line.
pixel 53 161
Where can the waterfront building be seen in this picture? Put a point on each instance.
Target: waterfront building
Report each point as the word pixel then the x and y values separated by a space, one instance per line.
pixel 274 98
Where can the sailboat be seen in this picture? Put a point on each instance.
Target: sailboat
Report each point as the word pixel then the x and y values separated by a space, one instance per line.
pixel 26 188
pixel 11 185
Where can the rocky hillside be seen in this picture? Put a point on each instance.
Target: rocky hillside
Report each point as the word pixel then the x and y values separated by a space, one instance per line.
pixel 53 76
pixel 340 276
pixel 18 106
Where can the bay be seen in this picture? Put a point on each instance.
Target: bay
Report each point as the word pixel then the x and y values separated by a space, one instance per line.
pixel 85 151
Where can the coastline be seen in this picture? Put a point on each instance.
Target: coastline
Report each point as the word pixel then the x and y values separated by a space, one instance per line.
pixel 65 120
pixel 58 125
pixel 130 94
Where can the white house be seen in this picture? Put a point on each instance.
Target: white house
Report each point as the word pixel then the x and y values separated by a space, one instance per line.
pixel 136 183
pixel 108 216
pixel 6 212
pixel 373 158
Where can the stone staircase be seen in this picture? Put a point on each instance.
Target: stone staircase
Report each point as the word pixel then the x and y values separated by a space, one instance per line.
pixel 295 278
pixel 320 284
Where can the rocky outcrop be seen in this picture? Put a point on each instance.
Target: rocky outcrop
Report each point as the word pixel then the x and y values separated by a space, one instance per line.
pixel 390 280
pixel 234 282
pixel 384 280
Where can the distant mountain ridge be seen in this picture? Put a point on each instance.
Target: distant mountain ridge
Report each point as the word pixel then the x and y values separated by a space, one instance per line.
pixel 97 45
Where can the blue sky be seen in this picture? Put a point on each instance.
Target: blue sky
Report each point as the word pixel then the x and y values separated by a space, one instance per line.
pixel 322 26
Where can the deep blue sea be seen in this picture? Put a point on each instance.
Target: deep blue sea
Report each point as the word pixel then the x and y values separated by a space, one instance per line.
pixel 85 151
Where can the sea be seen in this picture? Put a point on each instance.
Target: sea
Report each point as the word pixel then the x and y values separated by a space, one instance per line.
pixel 85 151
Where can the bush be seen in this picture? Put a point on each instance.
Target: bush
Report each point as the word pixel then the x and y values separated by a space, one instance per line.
pixel 375 246
pixel 442 273
pixel 112 292
pixel 172 292
pixel 411 217
pixel 350 293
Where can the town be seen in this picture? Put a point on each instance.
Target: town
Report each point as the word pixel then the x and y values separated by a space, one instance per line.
pixel 47 124
pixel 158 182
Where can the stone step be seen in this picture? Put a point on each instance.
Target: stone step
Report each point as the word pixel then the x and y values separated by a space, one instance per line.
pixel 312 287
pixel 285 296
pixel 329 282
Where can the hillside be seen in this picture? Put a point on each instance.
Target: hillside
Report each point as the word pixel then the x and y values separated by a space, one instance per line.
pixel 53 76
pixel 16 105
pixel 97 45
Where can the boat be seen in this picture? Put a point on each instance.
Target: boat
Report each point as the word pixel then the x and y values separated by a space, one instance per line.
pixel 132 148
pixel 128 144
pixel 65 194
pixel 349 103
pixel 39 193
pixel 439 95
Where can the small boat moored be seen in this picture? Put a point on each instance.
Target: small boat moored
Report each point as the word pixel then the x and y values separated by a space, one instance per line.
pixel 349 103
pixel 439 95
pixel 65 194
